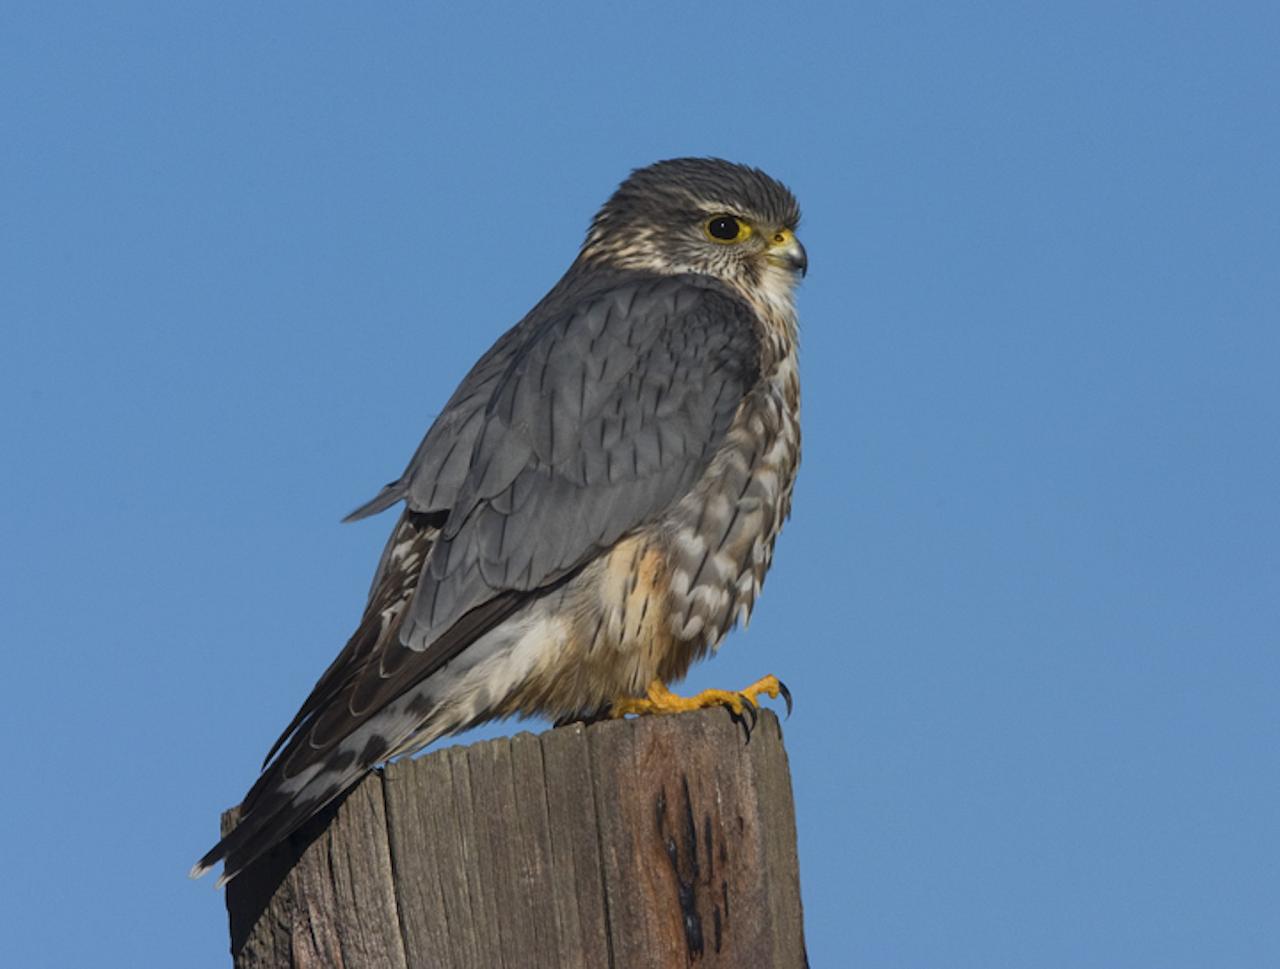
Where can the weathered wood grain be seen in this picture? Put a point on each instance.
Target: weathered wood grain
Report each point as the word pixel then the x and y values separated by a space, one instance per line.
pixel 658 842
pixel 325 898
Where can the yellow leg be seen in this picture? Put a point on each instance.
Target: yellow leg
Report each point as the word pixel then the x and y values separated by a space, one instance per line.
pixel 742 703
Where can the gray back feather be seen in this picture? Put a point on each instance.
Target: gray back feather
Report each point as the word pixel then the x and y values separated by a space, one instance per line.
pixel 585 421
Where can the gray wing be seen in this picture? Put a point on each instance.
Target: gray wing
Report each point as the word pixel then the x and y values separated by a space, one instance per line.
pixel 572 433
pixel 580 425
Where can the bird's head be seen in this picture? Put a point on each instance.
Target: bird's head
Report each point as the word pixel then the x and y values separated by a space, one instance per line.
pixel 703 215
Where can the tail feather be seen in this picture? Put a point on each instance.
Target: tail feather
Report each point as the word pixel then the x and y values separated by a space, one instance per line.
pixel 279 804
pixel 369 705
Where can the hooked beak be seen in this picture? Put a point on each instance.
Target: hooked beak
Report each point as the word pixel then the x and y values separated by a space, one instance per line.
pixel 786 251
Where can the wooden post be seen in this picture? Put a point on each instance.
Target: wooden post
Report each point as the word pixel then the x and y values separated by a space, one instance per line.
pixel 631 844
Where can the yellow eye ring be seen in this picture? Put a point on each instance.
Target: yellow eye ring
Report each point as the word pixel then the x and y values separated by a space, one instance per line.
pixel 726 229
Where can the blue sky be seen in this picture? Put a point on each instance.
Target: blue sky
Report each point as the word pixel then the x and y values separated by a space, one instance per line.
pixel 1029 599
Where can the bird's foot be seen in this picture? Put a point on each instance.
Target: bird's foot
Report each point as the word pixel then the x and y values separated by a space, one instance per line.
pixel 742 704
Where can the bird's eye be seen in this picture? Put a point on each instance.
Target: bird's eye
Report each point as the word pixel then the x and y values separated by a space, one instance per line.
pixel 726 228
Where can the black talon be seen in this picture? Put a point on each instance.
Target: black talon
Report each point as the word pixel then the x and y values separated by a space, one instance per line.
pixel 786 695
pixel 738 718
pixel 586 719
pixel 749 706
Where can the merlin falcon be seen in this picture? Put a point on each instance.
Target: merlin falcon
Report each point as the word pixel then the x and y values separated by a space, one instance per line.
pixel 593 509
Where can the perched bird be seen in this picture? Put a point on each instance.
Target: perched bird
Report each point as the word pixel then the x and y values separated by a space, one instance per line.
pixel 594 508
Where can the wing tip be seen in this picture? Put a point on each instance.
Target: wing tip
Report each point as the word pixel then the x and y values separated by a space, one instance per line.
pixel 383 500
